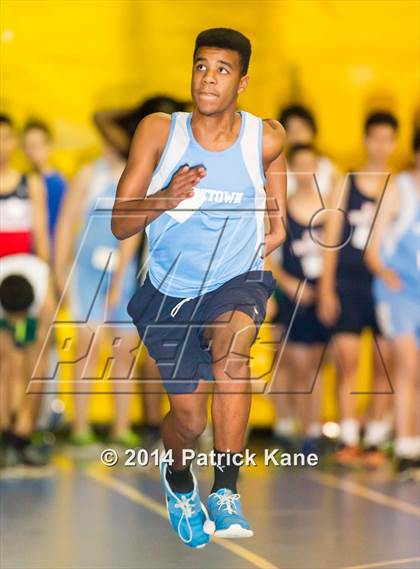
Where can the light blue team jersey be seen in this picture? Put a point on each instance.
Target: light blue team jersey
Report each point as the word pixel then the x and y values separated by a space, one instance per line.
pixel 219 232
pixel 400 249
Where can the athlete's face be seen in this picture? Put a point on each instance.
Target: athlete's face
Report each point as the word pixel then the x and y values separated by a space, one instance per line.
pixel 216 79
pixel 380 142
pixel 37 146
pixel 298 131
pixel 303 165
pixel 7 142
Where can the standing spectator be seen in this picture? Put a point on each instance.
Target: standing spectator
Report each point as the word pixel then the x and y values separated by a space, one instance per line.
pixel 392 256
pixel 345 297
pixel 37 145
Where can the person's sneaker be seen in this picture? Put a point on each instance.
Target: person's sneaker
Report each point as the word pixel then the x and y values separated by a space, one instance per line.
pixel 373 458
pixel 187 515
pixel 225 511
pixel 407 469
pixel 348 456
pixel 34 455
pixel 83 438
pixel 127 438
pixel 311 445
pixel 10 457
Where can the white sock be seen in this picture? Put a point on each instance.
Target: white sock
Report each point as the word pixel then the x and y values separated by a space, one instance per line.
pixel 285 427
pixel 377 433
pixel 407 447
pixel 349 432
pixel 314 430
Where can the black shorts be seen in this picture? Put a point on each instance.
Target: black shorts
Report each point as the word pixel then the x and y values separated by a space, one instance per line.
pixel 357 311
pixel 302 325
pixel 172 328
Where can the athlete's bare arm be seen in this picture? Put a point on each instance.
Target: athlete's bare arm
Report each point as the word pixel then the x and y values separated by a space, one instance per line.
pixel 329 305
pixel 274 164
pixel 36 191
pixel 67 225
pixel 388 210
pixel 289 284
pixel 133 211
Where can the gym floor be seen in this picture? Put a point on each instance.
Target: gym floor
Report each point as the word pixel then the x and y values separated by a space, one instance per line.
pixel 78 514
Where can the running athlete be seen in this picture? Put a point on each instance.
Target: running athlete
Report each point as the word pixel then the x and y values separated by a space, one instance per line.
pixel 393 256
pixel 22 202
pixel 345 298
pixel 197 182
pixel 25 315
pixel 37 145
pixel 297 276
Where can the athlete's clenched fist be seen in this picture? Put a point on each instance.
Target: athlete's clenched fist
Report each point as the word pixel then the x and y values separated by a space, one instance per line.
pixel 181 185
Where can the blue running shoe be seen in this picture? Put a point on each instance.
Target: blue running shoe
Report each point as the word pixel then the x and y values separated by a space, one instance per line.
pixel 225 510
pixel 187 515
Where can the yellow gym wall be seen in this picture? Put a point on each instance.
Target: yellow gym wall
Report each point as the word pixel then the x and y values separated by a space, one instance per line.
pixel 62 60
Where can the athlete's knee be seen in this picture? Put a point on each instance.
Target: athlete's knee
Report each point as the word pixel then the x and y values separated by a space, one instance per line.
pixel 233 367
pixel 190 423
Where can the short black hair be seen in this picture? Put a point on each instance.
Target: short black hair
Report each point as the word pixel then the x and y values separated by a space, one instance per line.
pixel 36 124
pixel 300 112
pixel 416 140
pixel 296 148
pixel 378 118
pixel 5 119
pixel 16 294
pixel 226 38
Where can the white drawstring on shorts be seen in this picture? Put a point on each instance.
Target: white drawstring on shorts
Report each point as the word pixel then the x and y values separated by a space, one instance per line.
pixel 176 308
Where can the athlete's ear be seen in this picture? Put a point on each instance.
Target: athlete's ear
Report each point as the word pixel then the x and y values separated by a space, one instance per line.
pixel 243 84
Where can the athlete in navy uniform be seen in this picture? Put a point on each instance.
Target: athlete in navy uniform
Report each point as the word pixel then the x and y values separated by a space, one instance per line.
pixel 198 183
pixel 346 300
pixel 297 275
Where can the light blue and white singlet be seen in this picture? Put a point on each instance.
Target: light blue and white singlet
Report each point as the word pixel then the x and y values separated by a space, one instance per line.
pixel 398 311
pixel 218 233
pixel 400 250
pixel 98 254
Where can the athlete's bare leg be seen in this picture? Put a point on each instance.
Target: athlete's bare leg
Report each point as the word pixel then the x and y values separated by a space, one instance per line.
pixel 305 360
pixel 231 345
pixel 152 391
pixel 184 423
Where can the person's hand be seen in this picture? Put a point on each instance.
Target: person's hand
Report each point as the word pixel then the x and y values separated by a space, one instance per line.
pixel 391 280
pixel 181 185
pixel 273 241
pixel 308 295
pixel 328 308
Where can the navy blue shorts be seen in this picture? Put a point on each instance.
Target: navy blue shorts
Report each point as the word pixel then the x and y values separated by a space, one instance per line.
pixel 305 326
pixel 172 328
pixel 357 311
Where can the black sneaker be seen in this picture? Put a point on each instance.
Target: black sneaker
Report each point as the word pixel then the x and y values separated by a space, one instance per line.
pixel 407 468
pixel 34 455
pixel 9 456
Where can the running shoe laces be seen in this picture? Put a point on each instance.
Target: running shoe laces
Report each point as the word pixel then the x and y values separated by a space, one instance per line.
pixel 186 505
pixel 228 502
